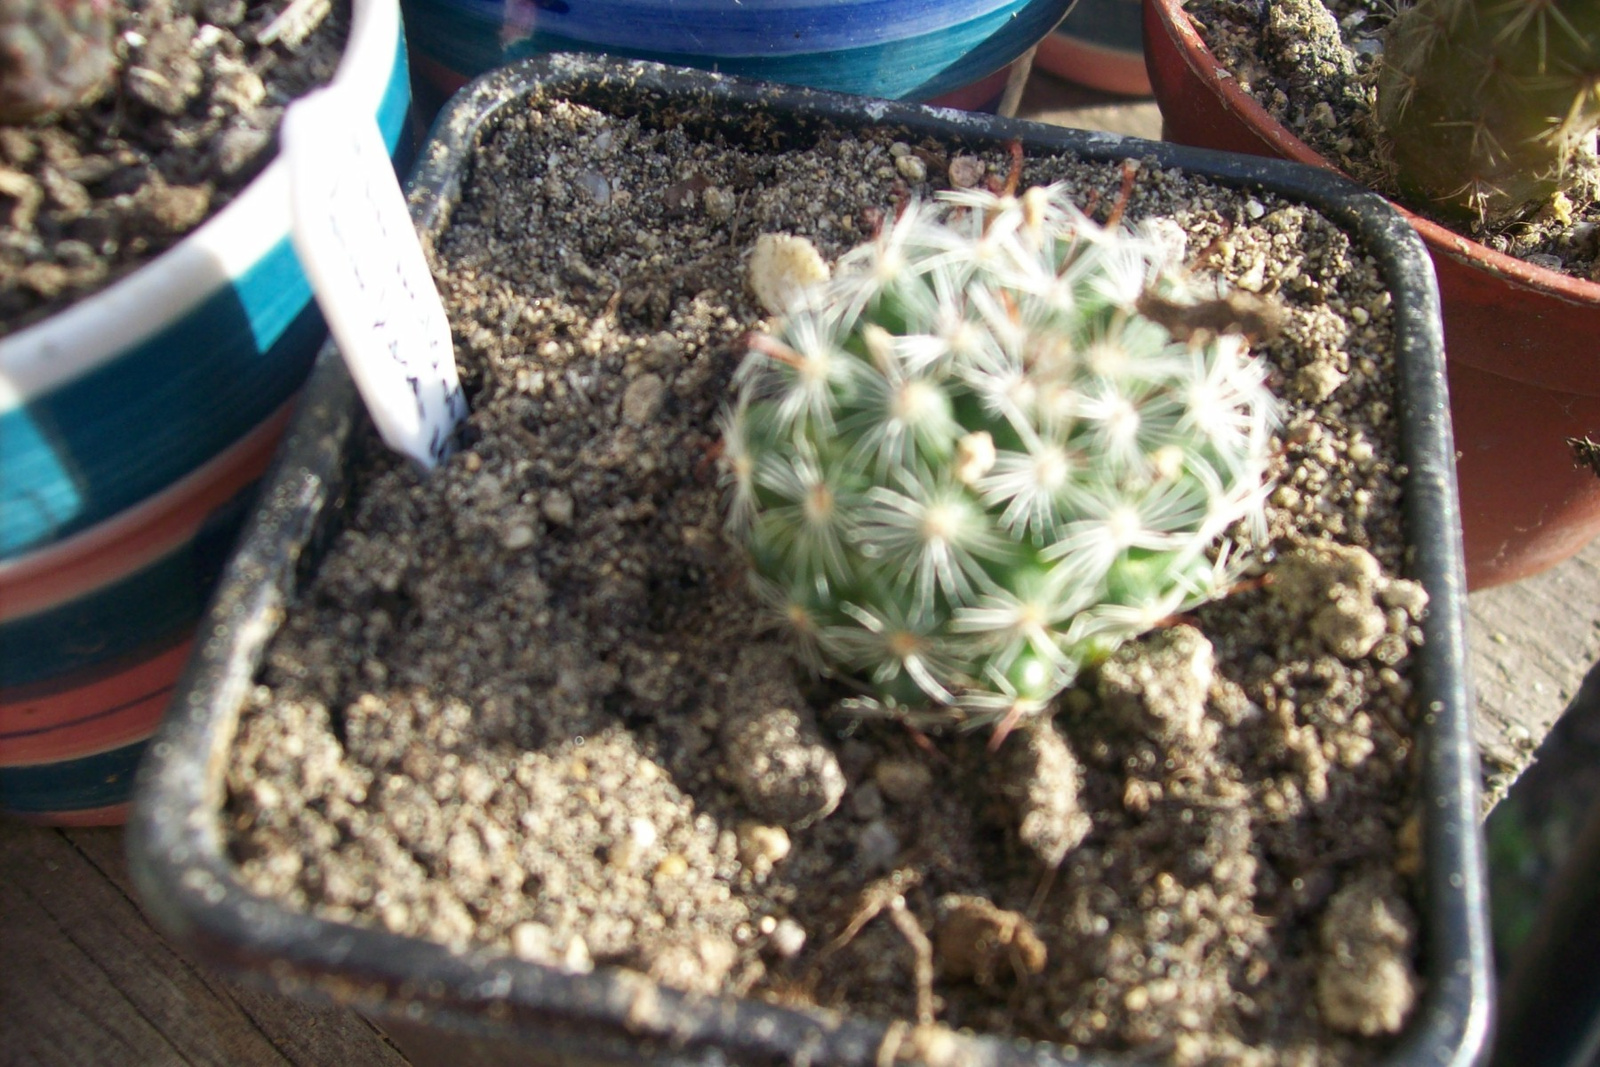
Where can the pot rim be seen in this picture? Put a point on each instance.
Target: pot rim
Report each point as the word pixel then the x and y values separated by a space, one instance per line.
pixel 189 886
pixel 1211 73
pixel 93 331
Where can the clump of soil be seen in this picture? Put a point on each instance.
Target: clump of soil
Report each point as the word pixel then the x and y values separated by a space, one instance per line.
pixel 188 119
pixel 528 703
pixel 1313 64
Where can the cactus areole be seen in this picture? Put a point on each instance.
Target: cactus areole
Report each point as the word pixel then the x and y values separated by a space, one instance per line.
pixel 970 464
pixel 1485 106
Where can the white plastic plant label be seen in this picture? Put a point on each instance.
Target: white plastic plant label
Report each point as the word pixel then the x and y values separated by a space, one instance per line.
pixel 354 236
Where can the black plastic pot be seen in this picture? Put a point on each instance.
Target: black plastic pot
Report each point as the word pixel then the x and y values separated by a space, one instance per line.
pixel 486 1008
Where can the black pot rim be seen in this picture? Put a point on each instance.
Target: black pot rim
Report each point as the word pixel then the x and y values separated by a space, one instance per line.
pixel 176 850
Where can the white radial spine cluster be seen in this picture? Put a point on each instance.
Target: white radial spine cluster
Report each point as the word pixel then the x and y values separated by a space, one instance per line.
pixel 967 465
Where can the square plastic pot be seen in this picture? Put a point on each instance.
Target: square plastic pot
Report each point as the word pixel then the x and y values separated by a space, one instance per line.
pixel 482 1007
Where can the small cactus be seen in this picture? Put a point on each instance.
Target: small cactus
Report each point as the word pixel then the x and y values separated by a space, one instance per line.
pixel 54 55
pixel 968 464
pixel 1484 105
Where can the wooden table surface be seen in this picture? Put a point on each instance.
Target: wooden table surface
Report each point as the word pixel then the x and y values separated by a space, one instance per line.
pixel 85 980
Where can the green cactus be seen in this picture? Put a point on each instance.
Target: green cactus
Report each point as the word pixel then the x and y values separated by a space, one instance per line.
pixel 54 55
pixel 969 464
pixel 1484 104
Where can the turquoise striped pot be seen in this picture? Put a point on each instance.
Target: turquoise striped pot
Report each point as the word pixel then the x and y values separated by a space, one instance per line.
pixel 134 427
pixel 896 49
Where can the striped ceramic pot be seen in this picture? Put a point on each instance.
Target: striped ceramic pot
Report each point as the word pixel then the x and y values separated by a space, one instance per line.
pixel 134 427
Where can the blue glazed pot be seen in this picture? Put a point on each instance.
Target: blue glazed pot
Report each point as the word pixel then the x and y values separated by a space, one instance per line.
pixel 134 427
pixel 897 49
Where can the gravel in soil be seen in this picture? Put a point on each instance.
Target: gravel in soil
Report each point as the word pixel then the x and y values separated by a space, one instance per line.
pixel 190 116
pixel 528 703
pixel 1313 64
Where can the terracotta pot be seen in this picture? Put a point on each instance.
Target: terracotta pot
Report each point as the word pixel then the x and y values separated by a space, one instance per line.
pixel 1098 44
pixel 1522 341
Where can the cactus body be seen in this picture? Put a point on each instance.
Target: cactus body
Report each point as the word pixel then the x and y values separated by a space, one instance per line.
pixel 1484 104
pixel 54 54
pixel 968 464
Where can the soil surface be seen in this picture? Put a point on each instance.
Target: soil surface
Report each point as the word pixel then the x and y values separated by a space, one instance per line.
pixel 1313 64
pixel 529 704
pixel 189 117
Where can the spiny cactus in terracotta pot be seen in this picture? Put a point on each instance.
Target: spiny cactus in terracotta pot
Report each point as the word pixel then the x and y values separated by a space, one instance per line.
pixel 978 459
pixel 54 55
pixel 1486 105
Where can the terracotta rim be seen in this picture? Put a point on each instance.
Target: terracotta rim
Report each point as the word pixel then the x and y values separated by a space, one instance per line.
pixel 110 815
pixel 1110 70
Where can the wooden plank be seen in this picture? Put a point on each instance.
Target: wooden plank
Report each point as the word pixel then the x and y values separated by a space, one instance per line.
pixel 59 1007
pixel 94 984
pixel 1062 103
pixel 301 1033
pixel 1531 645
pixel 88 981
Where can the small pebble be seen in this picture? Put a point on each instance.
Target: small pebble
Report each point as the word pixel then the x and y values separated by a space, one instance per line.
pixel 781 267
pixel 787 938
pixel 761 846
pixel 643 832
pixel 877 847
pixel 672 866
pixel 976 940
pixel 641 402
pixel 911 168
pixel 719 202
pixel 966 172
pixel 556 506
pixel 223 12
pixel 595 185
pixel 239 146
pixel 903 781
pixel 174 208
pixel 866 802
pixel 774 753
pixel 518 536
pixel 700 966
pixel 537 943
